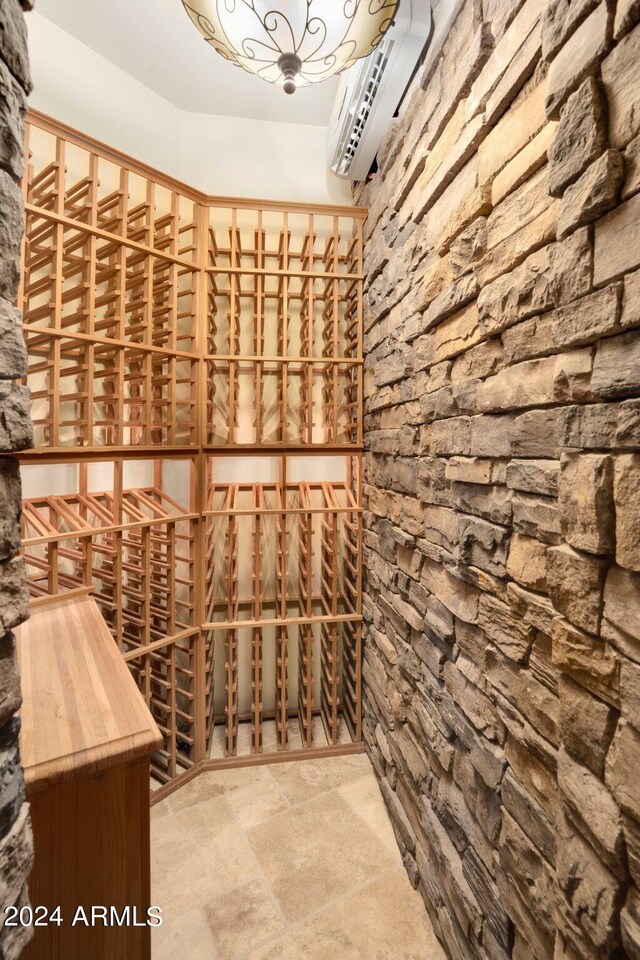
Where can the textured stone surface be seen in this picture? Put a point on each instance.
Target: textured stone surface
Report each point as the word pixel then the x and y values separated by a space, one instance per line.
pixel 560 20
pixel 586 501
pixel 576 582
pixel 10 495
pixel 587 660
pixel 594 193
pixel 13 30
pixel 11 228
pixel 627 500
pixel 621 611
pixel 502 559
pixel 16 432
pixel 622 766
pixel 577 59
pixel 620 79
pixel 510 62
pixel 590 891
pixel 617 247
pixel 587 725
pixel 13 359
pixel 11 121
pixel 555 275
pixel 16 845
pixel 627 15
pixel 525 163
pixel 527 562
pixel 580 137
pixel 514 131
pixel 615 367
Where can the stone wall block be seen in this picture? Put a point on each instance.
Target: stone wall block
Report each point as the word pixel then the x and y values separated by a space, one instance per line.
pixel 621 623
pixel 630 924
pixel 529 816
pixel 14 599
pixel 594 194
pixel 484 545
pixel 16 432
pixel 13 359
pixel 627 505
pixel 10 696
pixel 620 80
pixel 587 725
pixel 511 134
pixel 556 275
pixel 581 136
pixel 602 425
pixel 527 562
pixel 510 62
pixel 500 624
pixel 526 885
pixel 534 476
pixel 12 120
pixel 577 324
pixel 617 242
pixel 11 228
pixel 13 44
pixel 10 497
pixel 591 894
pixel 615 368
pixel 588 660
pixel 561 19
pixel 576 584
pixel 593 811
pixel 622 766
pixel 631 169
pixel 524 164
pixel 627 15
pixel 585 499
pixel 579 58
pixel 16 857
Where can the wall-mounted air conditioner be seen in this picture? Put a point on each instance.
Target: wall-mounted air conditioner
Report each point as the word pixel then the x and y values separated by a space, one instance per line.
pixel 369 93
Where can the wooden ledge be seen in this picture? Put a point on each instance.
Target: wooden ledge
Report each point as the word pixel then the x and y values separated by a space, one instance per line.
pixel 82 712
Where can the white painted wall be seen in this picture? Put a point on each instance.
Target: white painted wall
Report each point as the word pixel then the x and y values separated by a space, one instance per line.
pixel 227 156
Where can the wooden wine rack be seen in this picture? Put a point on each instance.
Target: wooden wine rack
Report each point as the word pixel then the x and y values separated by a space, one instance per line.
pixel 217 344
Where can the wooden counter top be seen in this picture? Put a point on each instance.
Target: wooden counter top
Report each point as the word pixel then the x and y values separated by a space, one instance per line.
pixel 82 711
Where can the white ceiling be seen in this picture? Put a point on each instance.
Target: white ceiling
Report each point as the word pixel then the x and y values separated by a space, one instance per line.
pixel 155 42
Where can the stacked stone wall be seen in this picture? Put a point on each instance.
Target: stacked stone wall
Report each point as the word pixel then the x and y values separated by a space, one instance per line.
pixel 16 847
pixel 502 480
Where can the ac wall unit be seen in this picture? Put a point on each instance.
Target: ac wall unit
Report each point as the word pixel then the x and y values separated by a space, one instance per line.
pixel 371 90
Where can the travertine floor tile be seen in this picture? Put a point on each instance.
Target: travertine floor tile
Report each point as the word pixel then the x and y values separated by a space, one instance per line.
pixel 196 873
pixel 305 779
pixel 208 785
pixel 316 852
pixel 365 799
pixel 242 918
pixel 197 824
pixel 161 809
pixel 293 861
pixel 253 804
pixel 186 937
pixel 384 921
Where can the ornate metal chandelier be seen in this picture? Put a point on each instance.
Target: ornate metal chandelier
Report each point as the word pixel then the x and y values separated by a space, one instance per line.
pixel 292 42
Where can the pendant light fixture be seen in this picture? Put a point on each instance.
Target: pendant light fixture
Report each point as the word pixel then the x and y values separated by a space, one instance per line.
pixel 292 42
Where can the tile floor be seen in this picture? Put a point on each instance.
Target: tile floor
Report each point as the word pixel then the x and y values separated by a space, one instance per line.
pixel 291 861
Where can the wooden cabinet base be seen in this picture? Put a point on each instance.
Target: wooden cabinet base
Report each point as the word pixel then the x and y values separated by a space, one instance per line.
pixel 92 850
